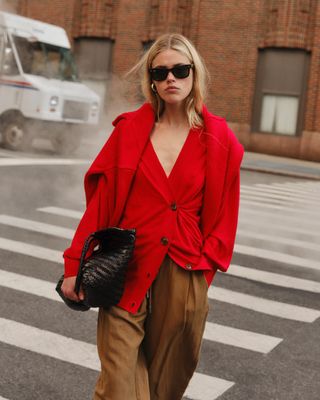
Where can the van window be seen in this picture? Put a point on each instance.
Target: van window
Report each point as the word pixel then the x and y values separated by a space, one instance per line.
pixel 38 58
pixel 9 64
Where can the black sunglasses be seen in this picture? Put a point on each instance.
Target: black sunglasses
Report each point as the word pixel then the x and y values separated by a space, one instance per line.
pixel 161 73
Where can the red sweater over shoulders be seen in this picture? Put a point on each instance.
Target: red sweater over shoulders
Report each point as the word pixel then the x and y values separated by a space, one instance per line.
pixel 111 175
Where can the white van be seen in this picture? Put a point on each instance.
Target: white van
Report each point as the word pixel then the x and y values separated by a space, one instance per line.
pixel 40 92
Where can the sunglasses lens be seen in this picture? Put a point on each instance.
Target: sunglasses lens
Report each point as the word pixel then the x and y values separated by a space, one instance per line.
pixel 159 74
pixel 182 71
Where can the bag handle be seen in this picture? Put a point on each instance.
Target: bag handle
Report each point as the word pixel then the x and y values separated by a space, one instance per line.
pixel 82 260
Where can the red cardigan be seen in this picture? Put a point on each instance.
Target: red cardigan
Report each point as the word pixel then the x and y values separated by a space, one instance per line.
pixel 108 180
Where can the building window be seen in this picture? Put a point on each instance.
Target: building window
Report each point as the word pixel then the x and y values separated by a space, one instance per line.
pixel 93 57
pixel 280 91
pixel 279 114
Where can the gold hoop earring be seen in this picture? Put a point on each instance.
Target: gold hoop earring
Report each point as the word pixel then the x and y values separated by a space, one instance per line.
pixel 153 88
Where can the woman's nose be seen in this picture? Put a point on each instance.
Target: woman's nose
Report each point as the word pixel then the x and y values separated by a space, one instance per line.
pixel 170 76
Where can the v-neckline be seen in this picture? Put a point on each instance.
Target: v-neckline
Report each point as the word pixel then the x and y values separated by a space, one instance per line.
pixel 177 159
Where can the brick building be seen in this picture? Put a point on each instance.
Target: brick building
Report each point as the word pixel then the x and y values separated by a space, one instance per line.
pixel 263 56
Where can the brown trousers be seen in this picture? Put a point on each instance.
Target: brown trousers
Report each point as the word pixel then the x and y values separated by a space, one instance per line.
pixel 153 356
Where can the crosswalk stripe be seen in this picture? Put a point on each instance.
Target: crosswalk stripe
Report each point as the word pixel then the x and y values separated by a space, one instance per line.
pixel 240 338
pixel 205 387
pixel 58 231
pixel 270 307
pixel 268 224
pixel 31 250
pixel 284 208
pixel 56 256
pixel 8 162
pixel 266 194
pixel 305 185
pixel 214 332
pixel 2 398
pixel 64 212
pixel 52 255
pixel 276 256
pixel 30 285
pixel 280 189
pixel 261 199
pixel 49 344
pixel 278 239
pixel 85 354
pixel 36 226
pixel 278 218
pixel 292 189
pixel 272 278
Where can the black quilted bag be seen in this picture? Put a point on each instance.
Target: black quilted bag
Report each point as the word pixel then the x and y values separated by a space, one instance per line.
pixel 102 275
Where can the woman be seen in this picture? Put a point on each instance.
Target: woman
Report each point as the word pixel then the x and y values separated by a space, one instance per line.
pixel 171 170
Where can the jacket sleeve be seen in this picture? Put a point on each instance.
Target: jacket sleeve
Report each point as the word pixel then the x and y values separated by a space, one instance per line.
pixel 90 222
pixel 218 246
pixel 97 192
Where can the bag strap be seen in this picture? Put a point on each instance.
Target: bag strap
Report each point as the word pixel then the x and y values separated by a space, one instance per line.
pixel 82 260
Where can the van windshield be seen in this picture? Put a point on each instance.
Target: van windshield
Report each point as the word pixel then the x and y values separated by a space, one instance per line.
pixel 38 58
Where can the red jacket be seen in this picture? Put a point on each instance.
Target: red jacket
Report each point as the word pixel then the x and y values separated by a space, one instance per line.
pixel 110 176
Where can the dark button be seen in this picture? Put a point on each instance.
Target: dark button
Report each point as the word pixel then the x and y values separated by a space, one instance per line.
pixel 188 266
pixel 148 275
pixel 173 206
pixel 164 240
pixel 133 304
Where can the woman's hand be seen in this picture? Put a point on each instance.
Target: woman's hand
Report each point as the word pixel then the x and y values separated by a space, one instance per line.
pixel 68 289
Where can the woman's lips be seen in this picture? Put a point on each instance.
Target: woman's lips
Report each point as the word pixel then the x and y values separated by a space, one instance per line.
pixel 172 89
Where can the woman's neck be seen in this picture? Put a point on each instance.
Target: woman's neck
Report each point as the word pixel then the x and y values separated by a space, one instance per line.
pixel 174 115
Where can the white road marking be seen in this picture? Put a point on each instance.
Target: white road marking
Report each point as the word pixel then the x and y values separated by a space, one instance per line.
pixel 266 194
pixel 276 256
pixel 214 332
pixel 278 218
pixel 64 212
pixel 304 185
pixel 2 398
pixel 27 284
pixel 270 307
pixel 10 162
pixel 269 225
pixel 293 189
pixel 48 343
pixel 261 199
pixel 272 278
pixel 201 387
pixel 280 190
pixel 286 209
pixel 205 387
pixel 43 253
pixel 240 338
pixel 35 226
pixel 278 239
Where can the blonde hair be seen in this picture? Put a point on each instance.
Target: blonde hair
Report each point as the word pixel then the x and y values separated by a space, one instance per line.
pixel 194 101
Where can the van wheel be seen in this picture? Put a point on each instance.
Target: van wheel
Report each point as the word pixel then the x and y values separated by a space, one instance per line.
pixel 66 144
pixel 15 136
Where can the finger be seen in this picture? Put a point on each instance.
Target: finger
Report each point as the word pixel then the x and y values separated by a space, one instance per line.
pixel 71 295
pixel 81 294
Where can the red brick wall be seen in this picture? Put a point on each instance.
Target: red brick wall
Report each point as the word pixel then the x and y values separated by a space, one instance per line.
pixel 57 12
pixel 228 34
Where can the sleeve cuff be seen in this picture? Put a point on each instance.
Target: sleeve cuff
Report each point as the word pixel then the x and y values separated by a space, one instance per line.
pixel 71 267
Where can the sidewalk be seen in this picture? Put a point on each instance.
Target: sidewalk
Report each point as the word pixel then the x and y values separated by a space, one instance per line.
pixel 281 166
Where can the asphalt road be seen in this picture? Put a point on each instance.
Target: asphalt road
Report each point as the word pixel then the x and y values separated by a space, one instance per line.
pixel 262 336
